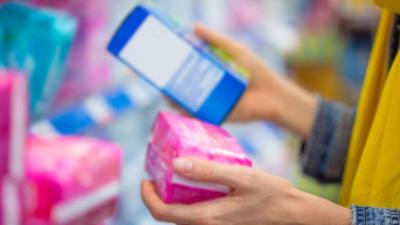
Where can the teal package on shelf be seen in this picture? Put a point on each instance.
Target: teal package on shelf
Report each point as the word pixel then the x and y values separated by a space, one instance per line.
pixel 37 42
pixel 155 48
pixel 2 53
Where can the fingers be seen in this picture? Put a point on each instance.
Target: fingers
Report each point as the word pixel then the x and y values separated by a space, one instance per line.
pixel 151 199
pixel 227 44
pixel 235 49
pixel 157 207
pixel 206 171
pixel 178 214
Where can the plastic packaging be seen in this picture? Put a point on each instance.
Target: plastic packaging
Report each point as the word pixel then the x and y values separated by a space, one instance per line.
pixel 73 180
pixel 37 42
pixel 13 124
pixel 11 206
pixel 177 136
pixel 97 110
pixel 89 61
pixel 190 75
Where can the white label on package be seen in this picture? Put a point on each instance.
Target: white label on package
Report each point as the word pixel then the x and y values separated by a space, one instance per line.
pixel 171 63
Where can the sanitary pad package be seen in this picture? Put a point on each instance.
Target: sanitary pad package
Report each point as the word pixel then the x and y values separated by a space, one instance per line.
pixel 36 41
pixel 162 53
pixel 13 122
pixel 176 136
pixel 89 61
pixel 11 206
pixel 73 180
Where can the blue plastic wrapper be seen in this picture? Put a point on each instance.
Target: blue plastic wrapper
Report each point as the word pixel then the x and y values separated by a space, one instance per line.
pixel 37 42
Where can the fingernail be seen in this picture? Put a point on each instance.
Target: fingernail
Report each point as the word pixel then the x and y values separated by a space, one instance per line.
pixel 183 165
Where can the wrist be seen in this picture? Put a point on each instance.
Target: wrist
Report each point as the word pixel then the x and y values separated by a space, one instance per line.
pixel 295 108
pixel 314 210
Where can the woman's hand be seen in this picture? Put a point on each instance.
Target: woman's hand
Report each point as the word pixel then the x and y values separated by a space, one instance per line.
pixel 269 96
pixel 255 198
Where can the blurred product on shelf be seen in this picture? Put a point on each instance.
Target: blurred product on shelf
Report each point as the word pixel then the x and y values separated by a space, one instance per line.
pixel 72 180
pixel 97 110
pixel 191 76
pixel 267 146
pixel 358 20
pixel 319 48
pixel 13 125
pixel 355 58
pixel 361 14
pixel 176 136
pixel 89 62
pixel 11 202
pixel 2 35
pixel 316 65
pixel 36 42
pixel 321 14
pixel 245 13
pixel 335 47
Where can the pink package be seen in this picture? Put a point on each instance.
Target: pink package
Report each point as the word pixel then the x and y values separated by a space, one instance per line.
pixel 176 136
pixel 11 207
pixel 13 121
pixel 72 180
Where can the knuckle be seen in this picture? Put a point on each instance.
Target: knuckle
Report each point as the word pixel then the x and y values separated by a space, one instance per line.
pixel 211 170
pixel 246 177
pixel 206 171
pixel 286 185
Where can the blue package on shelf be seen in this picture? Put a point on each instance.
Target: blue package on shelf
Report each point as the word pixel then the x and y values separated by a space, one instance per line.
pixel 159 51
pixel 37 42
pixel 2 52
pixel 97 110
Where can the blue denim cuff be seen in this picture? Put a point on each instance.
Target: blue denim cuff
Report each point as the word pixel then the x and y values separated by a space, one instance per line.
pixel 373 216
pixel 324 154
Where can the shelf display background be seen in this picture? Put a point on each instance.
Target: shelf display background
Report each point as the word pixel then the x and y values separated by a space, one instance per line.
pixel 279 31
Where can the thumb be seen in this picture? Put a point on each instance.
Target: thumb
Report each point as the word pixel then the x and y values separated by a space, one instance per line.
pixel 210 172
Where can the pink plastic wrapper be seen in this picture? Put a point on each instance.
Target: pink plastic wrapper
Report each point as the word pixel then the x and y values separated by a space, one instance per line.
pixel 73 180
pixel 177 136
pixel 13 120
pixel 11 208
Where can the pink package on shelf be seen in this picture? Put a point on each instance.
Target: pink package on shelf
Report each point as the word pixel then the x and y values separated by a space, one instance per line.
pixel 13 121
pixel 11 207
pixel 176 136
pixel 73 180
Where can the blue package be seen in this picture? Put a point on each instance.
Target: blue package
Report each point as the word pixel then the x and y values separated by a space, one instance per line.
pixel 37 42
pixel 2 53
pixel 159 51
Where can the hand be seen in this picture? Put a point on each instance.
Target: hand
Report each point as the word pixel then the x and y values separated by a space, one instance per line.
pixel 269 96
pixel 255 198
pixel 258 101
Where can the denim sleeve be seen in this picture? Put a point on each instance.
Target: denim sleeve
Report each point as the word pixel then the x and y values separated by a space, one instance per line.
pixel 374 216
pixel 324 153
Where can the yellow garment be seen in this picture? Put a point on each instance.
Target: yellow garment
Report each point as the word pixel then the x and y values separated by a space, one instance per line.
pixel 393 5
pixel 372 172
